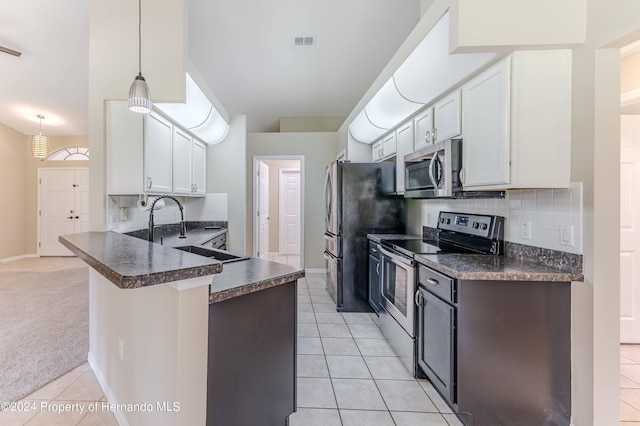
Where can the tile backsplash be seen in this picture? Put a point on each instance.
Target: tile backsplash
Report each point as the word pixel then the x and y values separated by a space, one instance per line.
pixel 547 218
pixel 123 214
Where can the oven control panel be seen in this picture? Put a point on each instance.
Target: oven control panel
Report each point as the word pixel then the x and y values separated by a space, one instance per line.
pixel 485 226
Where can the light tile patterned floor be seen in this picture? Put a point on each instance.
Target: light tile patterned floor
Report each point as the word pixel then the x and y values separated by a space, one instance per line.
pixel 287 259
pixel 630 385
pixel 349 375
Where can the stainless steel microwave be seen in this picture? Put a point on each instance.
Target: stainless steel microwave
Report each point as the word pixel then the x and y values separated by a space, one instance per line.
pixel 434 171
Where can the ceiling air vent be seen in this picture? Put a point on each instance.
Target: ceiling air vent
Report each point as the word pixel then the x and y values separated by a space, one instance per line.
pixel 303 41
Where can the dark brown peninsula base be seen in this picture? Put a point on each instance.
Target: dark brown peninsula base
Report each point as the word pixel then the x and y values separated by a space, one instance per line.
pixel 251 375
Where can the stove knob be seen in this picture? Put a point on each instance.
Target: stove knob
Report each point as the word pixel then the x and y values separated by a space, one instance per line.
pixel 448 221
pixel 476 225
pixel 485 226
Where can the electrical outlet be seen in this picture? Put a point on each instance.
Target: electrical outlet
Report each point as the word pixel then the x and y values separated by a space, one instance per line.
pixel 121 349
pixel 566 235
pixel 525 230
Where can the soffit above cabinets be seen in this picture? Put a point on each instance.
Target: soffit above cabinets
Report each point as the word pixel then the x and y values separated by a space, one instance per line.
pixel 428 72
pixel 197 115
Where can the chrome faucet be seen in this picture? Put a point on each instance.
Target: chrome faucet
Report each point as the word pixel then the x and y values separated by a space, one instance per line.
pixel 183 226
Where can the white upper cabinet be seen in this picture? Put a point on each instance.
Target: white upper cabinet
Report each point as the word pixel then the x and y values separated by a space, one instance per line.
pixel 124 149
pixel 199 168
pixel 150 154
pixel 389 144
pixel 158 154
pixel 446 117
pixel 438 122
pixel 404 146
pixel 485 145
pixel 517 123
pixel 423 124
pixel 182 146
pixel 377 153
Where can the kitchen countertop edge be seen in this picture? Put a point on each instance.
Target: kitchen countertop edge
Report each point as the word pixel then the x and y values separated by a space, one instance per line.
pixel 249 276
pixel 92 248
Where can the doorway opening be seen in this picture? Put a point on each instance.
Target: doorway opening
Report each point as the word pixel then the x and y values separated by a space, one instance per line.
pixel 278 204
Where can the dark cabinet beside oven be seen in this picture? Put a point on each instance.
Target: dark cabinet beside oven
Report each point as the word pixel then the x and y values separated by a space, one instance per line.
pixel 479 341
pixel 437 330
pixel 375 290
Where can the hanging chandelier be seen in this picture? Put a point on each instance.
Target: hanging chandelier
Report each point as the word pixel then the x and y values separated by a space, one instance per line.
pixel 40 143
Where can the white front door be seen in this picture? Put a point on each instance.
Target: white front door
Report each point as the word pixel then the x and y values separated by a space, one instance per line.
pixel 289 212
pixel 63 207
pixel 630 229
pixel 263 208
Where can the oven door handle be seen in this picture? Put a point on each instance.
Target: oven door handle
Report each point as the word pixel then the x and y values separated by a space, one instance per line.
pixel 397 259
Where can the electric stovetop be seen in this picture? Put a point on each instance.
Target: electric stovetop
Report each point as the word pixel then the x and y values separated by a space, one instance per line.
pixel 414 246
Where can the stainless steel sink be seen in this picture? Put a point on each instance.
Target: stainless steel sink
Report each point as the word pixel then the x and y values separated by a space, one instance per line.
pixel 220 255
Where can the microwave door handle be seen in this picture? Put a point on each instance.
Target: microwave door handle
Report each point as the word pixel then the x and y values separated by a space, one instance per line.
pixel 432 165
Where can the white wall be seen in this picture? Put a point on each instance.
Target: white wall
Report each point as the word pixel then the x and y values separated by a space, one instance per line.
pixel 226 172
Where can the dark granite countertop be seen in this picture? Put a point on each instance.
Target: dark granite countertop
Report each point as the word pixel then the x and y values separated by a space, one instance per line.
pixel 130 262
pixel 248 276
pixel 378 237
pixel 499 268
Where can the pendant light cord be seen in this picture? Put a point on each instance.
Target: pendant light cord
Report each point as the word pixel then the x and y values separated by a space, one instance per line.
pixel 140 37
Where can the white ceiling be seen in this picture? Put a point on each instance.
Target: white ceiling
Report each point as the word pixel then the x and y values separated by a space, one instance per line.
pixel 244 50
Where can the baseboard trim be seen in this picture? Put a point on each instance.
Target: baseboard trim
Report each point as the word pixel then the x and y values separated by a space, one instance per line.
pixel 108 393
pixel 315 270
pixel 11 259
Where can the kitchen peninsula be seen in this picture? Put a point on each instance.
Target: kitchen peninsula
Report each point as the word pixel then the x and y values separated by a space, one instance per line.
pixel 186 335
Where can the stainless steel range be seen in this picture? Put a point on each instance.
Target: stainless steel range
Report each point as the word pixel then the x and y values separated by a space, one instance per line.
pixel 457 233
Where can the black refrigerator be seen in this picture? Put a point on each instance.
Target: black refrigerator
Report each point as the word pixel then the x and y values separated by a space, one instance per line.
pixel 359 199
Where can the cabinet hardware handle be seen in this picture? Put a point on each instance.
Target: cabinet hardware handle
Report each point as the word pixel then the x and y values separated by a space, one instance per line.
pixel 149 183
pixel 378 268
pixel 432 281
pixel 435 135
pixel 462 176
pixel 427 137
pixel 418 298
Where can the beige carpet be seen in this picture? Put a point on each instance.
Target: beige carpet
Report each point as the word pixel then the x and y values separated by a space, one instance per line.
pixel 44 323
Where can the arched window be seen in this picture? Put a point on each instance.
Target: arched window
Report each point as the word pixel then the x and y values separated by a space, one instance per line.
pixel 69 153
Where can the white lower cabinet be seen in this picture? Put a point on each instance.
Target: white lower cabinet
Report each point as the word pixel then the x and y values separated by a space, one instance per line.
pixel 150 154
pixel 517 123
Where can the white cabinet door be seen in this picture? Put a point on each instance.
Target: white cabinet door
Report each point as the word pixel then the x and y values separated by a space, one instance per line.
pixel 389 145
pixel 404 141
pixel 124 149
pixel 486 122
pixel 158 158
pixel 423 124
pixel 376 151
pixel 199 172
pixel 182 146
pixel 446 117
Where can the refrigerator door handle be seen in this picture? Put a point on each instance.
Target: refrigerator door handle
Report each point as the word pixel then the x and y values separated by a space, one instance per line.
pixel 327 197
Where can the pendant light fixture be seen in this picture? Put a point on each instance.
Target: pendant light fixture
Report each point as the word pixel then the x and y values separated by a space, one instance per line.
pixel 139 93
pixel 40 143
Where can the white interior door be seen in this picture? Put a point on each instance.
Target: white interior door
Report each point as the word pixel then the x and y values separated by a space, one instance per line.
pixel 64 207
pixel 630 229
pixel 263 208
pixel 289 212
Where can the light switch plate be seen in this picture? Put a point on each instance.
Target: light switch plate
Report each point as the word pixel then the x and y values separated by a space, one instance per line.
pixel 525 230
pixel 566 235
